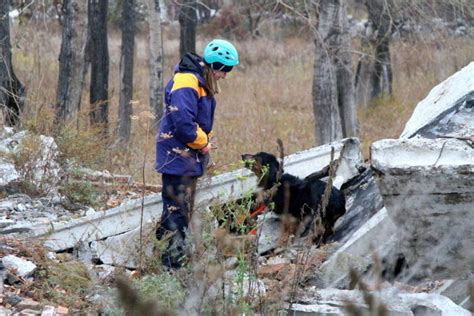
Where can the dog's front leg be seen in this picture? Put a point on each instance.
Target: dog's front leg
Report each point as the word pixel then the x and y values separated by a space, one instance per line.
pixel 289 223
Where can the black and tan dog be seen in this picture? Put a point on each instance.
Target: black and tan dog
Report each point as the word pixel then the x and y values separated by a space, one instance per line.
pixel 292 195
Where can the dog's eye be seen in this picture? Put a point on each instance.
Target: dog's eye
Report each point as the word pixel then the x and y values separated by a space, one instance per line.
pixel 249 163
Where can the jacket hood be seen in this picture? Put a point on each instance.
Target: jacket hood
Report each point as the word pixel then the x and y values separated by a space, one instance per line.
pixel 190 63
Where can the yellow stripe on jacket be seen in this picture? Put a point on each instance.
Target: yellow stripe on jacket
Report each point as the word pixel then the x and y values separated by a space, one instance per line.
pixel 187 80
pixel 201 140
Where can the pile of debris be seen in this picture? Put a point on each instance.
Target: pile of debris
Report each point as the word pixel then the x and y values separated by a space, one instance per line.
pixel 32 164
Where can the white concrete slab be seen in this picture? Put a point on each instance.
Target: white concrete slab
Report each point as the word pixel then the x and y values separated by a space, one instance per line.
pixel 421 153
pixel 440 100
pixel 427 186
pixel 357 253
pixel 220 189
pixel 394 302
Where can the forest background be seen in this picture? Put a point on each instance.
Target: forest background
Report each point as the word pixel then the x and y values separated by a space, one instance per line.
pixel 269 95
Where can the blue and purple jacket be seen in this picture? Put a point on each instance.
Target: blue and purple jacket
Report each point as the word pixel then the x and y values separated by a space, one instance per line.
pixel 187 121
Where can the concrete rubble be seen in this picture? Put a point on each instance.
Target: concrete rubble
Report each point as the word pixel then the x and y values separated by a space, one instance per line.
pixel 40 166
pixel 122 250
pixel 436 151
pixel 448 109
pixel 427 190
pixel 20 213
pixel 339 302
pixel 20 267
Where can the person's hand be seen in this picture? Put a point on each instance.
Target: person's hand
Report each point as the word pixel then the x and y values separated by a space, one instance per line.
pixel 206 150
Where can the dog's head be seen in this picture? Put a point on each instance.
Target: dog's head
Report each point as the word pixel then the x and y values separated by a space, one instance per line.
pixel 265 166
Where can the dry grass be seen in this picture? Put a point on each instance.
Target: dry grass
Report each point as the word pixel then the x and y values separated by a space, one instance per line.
pixel 267 97
pixel 417 68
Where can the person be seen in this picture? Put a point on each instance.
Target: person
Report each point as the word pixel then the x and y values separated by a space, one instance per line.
pixel 182 147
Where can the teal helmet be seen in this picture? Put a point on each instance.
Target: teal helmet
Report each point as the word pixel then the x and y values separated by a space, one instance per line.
pixel 221 55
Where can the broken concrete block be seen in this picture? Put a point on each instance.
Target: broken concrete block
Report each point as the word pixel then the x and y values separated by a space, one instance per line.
pixel 316 301
pixel 123 250
pixel 315 310
pixel 350 161
pixel 456 290
pixel 363 200
pixel 43 167
pixel 269 233
pixel 8 173
pixel 21 267
pixel 6 222
pixel 377 235
pixel 427 190
pixel 48 310
pixel 7 205
pixel 447 110
pixel 104 272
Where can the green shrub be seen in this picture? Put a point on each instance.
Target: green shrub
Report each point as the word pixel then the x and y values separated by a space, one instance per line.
pixel 65 283
pixel 80 192
pixel 164 288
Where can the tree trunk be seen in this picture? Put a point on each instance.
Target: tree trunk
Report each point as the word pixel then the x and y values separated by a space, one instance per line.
pixel 333 92
pixel 382 74
pixel 71 60
pixel 362 81
pixel 156 59
pixel 381 77
pixel 187 22
pixel 12 91
pixel 99 114
pixel 345 76
pixel 126 69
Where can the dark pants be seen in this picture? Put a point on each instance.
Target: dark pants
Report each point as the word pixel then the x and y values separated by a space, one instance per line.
pixel 178 199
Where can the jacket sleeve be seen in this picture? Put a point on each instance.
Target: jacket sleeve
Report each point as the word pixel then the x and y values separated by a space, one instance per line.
pixel 183 110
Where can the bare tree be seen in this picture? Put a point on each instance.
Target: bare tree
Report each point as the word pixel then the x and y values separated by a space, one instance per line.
pixel 156 58
pixel 71 59
pixel 381 76
pixel 126 69
pixel 99 83
pixel 374 71
pixel 333 92
pixel 255 12
pixel 12 91
pixel 205 9
pixel 187 22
